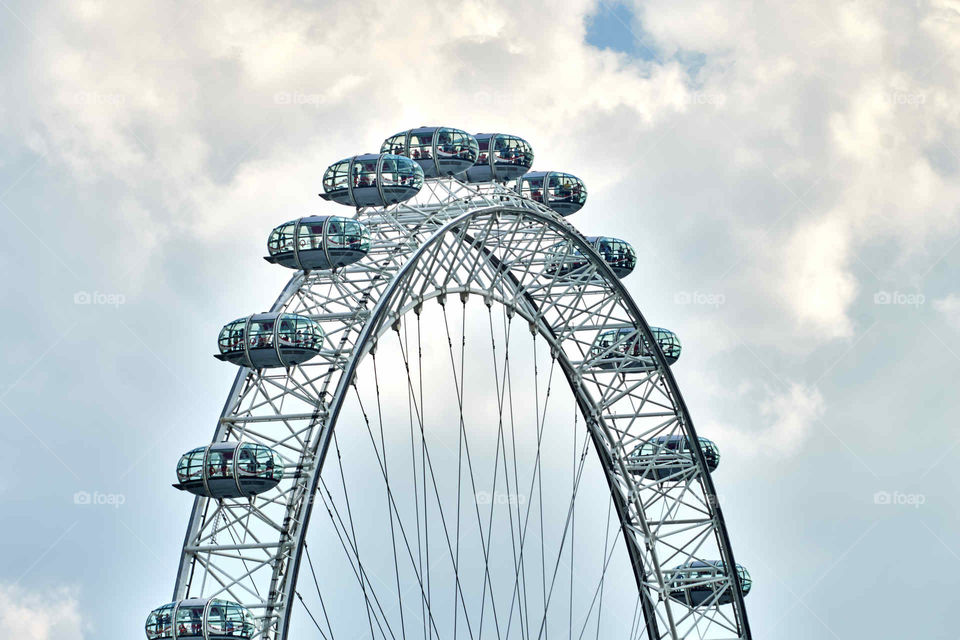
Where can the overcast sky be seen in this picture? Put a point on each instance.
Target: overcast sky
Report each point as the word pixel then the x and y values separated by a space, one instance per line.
pixel 788 173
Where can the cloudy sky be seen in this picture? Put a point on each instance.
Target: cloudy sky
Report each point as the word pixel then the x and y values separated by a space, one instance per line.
pixel 788 173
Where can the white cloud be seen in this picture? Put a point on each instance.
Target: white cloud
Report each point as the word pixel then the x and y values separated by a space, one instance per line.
pixel 949 306
pixel 816 283
pixel 45 614
pixel 777 428
pixel 810 133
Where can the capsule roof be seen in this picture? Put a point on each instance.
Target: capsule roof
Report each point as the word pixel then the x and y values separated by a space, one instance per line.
pixel 440 151
pixel 201 619
pixel 372 180
pixel 502 157
pixel 270 340
pixel 229 470
pixel 563 192
pixel 318 242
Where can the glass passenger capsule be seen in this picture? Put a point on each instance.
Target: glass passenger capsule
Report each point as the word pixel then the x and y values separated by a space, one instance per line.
pixel 318 242
pixel 562 192
pixel 566 258
pixel 270 340
pixel 670 457
pixel 372 180
pixel 699 583
pixel 201 619
pixel 440 151
pixel 612 346
pixel 502 157
pixel 229 470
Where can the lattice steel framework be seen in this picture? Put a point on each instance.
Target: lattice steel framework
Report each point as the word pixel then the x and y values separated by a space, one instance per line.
pixel 482 241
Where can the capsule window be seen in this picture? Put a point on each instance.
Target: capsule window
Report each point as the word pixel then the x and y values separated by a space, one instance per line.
pixel 510 150
pixel 220 464
pixel 391 173
pixel 273 244
pixel 255 460
pixel 287 330
pixel 347 234
pixel 395 144
pixel 334 233
pixel 668 341
pixel 336 177
pixel 236 620
pixel 281 239
pixel 710 449
pixel 160 623
pixel 310 236
pixel 606 341
pixel 566 188
pixel 455 144
pixel 617 253
pixel 421 146
pixel 299 331
pixel 190 467
pixel 503 150
pixel 260 335
pixel 533 188
pixel 615 342
pixel 308 333
pixel 357 236
pixel 365 174
pixel 190 620
pixel 396 172
pixel 410 177
pixel 231 336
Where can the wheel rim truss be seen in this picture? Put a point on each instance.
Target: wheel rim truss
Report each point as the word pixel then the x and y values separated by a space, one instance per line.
pixel 460 240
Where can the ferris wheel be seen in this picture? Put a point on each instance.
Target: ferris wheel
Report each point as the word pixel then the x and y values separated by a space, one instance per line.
pixel 459 394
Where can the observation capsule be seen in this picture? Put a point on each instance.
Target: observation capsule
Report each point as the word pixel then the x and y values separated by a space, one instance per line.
pixel 318 242
pixel 699 583
pixel 562 192
pixel 270 340
pixel 502 157
pixel 566 258
pixel 229 470
pixel 201 619
pixel 613 345
pixel 440 151
pixel 372 180
pixel 670 457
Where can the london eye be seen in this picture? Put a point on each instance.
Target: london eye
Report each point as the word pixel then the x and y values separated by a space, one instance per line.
pixel 453 422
